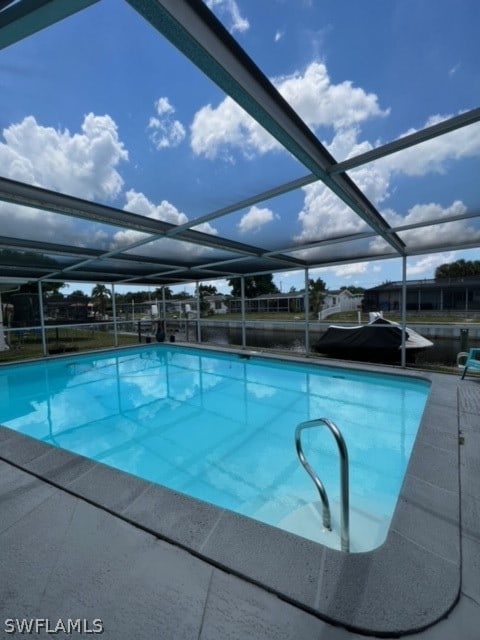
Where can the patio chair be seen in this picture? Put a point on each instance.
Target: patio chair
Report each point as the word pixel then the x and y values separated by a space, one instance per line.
pixel 473 361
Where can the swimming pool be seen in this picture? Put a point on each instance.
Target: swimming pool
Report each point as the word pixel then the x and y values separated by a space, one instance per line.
pixel 220 428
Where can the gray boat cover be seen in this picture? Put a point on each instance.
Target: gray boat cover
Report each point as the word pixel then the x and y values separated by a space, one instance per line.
pixel 379 334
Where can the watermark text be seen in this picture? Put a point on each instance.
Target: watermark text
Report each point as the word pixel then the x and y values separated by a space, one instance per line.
pixel 70 626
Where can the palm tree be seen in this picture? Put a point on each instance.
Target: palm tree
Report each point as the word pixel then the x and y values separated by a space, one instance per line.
pixel 100 295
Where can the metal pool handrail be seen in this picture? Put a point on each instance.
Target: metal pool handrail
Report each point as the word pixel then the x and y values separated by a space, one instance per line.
pixel 344 500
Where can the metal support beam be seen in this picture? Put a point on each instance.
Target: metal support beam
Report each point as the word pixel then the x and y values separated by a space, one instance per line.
pixel 48 200
pixel 404 308
pixel 199 331
pixel 194 30
pixel 286 187
pixel 30 16
pixel 307 314
pixel 3 345
pixel 42 319
pixel 457 122
pixel 164 309
pixel 114 312
pixel 242 303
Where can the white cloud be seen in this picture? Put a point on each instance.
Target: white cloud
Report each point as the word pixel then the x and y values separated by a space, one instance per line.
pixel 453 70
pixel 434 155
pixel 138 203
pixel 447 233
pixel 215 131
pixel 427 265
pixel 278 36
pixel 325 215
pixel 80 164
pixel 342 107
pixel 425 213
pixel 319 102
pixel 322 103
pixel 165 131
pixel 345 271
pixel 163 106
pixel 255 219
pixel 230 9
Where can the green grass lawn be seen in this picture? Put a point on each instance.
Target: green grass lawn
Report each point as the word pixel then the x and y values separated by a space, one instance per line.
pixel 281 316
pixel 348 316
pixel 62 340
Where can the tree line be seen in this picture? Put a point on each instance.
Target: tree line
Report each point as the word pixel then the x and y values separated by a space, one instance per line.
pixel 100 296
pixel 458 269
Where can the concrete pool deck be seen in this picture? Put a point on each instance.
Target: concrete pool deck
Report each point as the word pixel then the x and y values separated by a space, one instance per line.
pixel 82 540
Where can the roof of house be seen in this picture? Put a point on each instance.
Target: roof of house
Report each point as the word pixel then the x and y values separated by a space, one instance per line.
pixel 446 283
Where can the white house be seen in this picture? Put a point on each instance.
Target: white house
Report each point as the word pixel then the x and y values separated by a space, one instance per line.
pixel 338 301
pixel 216 304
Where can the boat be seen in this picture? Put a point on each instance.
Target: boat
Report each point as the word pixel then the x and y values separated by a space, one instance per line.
pixel 379 340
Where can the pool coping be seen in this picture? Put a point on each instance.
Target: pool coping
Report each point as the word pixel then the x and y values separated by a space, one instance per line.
pixel 404 586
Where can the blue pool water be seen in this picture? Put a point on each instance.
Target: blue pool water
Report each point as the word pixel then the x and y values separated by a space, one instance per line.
pixel 220 428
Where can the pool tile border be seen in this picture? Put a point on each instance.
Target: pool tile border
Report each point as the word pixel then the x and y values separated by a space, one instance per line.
pixel 406 585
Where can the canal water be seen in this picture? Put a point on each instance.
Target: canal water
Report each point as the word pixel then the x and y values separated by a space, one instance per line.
pixel 444 351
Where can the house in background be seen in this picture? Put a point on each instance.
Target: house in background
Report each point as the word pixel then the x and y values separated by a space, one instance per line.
pixel 217 304
pixel 455 294
pixel 339 301
pixel 182 306
pixel 292 302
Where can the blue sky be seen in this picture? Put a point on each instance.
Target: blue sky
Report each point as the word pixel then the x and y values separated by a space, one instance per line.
pixel 99 106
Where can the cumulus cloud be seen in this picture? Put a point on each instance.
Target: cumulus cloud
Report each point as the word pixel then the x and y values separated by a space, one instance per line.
pixel 347 271
pixel 312 94
pixel 225 129
pixel 428 264
pixel 322 103
pixel 325 215
pixel 229 9
pixel 164 130
pixel 81 164
pixel 139 204
pixel 217 131
pixel 255 219
pixel 447 233
pixel 434 156
pixel 278 36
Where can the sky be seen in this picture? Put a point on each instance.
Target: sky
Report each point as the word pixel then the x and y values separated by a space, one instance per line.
pixel 100 107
